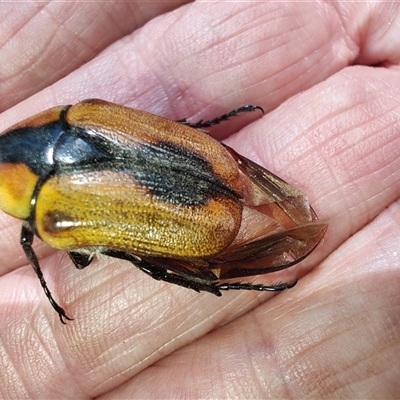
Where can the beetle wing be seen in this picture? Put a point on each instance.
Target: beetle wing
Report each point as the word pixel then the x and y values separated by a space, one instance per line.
pixel 131 128
pixel 265 189
pixel 271 253
pixel 290 230
pixel 112 209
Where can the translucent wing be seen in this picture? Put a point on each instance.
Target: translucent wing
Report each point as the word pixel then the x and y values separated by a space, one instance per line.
pixel 287 227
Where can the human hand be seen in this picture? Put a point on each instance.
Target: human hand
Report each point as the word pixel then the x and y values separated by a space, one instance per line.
pixel 334 136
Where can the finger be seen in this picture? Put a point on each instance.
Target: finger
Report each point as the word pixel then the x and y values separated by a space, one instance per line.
pixel 168 71
pixel 44 42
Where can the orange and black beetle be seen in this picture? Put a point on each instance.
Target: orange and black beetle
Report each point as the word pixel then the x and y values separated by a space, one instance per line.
pixel 97 177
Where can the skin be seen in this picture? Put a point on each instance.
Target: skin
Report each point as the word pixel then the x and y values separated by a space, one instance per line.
pixel 327 76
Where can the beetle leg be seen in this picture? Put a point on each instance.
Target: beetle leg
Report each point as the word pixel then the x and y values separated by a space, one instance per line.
pixel 26 243
pixel 215 121
pixel 262 288
pixel 80 260
pixel 160 273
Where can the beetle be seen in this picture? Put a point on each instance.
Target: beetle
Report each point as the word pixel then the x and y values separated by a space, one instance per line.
pixel 97 177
